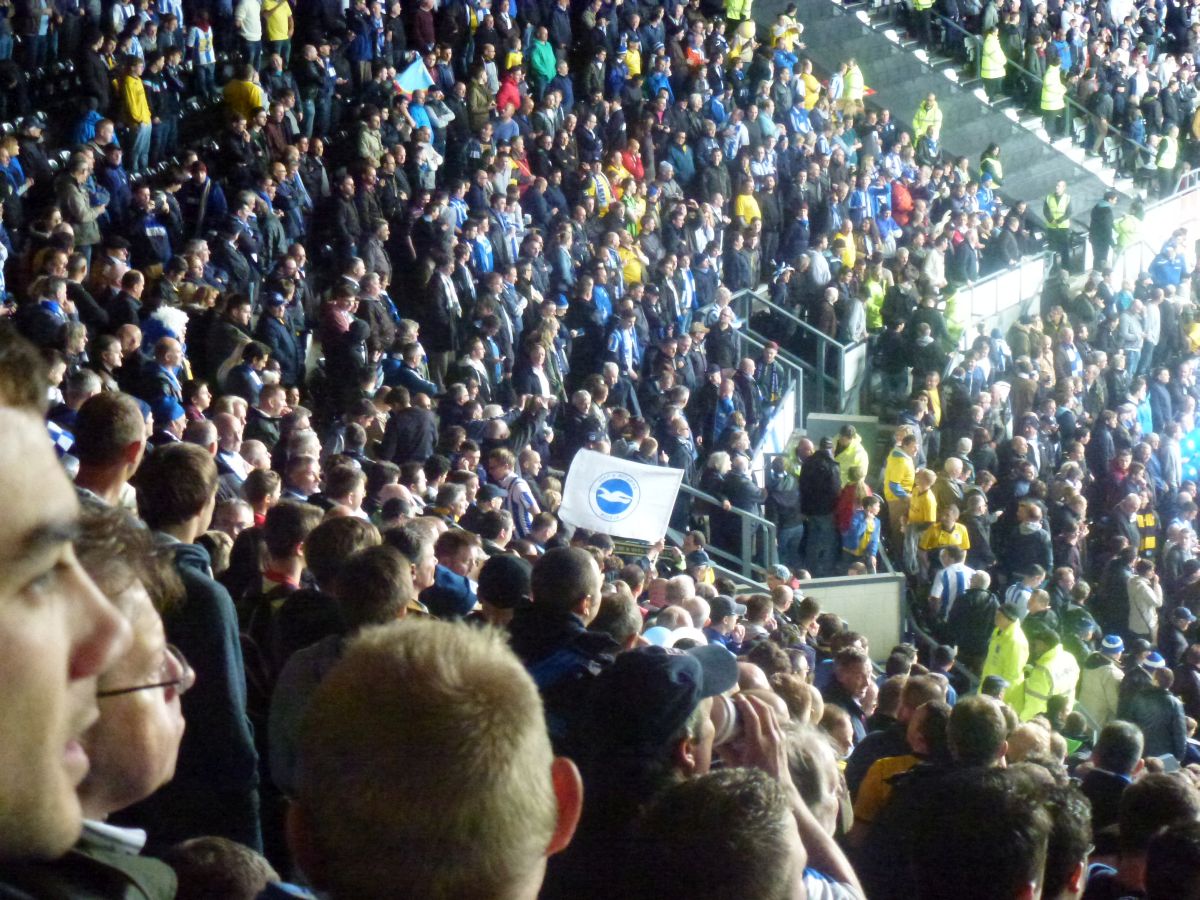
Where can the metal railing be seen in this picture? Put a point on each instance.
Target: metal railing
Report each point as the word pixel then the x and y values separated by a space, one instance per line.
pixel 913 626
pixel 829 352
pixel 983 302
pixel 752 526
pixel 751 343
pixel 1073 109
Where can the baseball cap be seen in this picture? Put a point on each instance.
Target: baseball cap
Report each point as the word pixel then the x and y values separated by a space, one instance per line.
pixel 166 409
pixel 1184 614
pixel 723 606
pixel 504 582
pixel 1112 645
pixel 643 700
pixel 993 685
pixel 275 299
pixel 488 492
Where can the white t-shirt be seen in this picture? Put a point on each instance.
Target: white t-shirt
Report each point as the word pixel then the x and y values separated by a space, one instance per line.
pixel 248 19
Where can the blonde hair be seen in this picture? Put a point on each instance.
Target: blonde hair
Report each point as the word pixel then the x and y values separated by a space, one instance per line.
pixel 425 766
pixel 924 478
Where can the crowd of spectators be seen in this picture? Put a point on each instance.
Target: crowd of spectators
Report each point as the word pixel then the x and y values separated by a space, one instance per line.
pixel 1117 77
pixel 285 597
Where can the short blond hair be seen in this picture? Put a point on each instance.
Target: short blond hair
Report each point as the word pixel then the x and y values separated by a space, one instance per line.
pixel 425 766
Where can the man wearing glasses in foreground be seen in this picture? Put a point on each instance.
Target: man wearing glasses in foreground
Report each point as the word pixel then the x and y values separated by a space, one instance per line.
pixel 134 744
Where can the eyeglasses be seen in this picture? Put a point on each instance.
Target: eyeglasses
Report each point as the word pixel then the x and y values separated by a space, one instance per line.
pixel 175 672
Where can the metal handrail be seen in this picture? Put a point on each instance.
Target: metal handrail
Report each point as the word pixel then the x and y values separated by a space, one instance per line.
pixel 750 523
pixel 1068 100
pixel 715 501
pixel 912 621
pixel 747 298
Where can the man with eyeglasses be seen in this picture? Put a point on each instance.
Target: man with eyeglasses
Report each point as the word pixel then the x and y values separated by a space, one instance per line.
pixel 135 742
pixel 215 788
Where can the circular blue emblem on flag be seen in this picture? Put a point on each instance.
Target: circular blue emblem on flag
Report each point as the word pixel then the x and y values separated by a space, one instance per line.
pixel 613 496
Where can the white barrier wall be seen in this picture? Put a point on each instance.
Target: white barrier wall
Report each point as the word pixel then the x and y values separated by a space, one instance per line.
pixel 1162 218
pixel 872 604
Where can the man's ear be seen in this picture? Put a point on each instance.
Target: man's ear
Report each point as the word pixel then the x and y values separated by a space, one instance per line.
pixel 300 842
pixel 684 756
pixel 1027 892
pixel 1137 767
pixel 133 452
pixel 1077 878
pixel 568 792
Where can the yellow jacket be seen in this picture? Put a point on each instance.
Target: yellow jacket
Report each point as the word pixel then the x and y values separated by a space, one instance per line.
pixel 925 117
pixel 812 90
pixel 853 86
pixel 1054 92
pixel 994 61
pixel 736 10
pixel 1055 673
pixel 134 105
pixel 1008 651
pixel 854 454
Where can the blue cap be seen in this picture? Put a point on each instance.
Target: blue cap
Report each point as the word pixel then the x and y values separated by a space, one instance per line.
pixel 1182 612
pixel 1155 661
pixel 275 299
pixel 561 301
pixel 640 702
pixel 167 409
pixel 1112 644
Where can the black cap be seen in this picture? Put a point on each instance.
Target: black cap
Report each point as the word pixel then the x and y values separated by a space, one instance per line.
pixel 993 685
pixel 723 606
pixel 488 492
pixel 1010 611
pixel 645 698
pixel 504 582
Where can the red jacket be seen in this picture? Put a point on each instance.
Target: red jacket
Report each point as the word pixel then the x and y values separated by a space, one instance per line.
pixel 509 93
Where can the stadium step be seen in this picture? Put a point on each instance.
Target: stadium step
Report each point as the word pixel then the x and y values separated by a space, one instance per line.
pixel 900 73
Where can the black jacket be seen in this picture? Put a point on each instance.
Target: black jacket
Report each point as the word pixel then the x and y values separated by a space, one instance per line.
pixel 1159 714
pixel 284 346
pixel 820 484
pixel 410 436
pixel 1104 789
pixel 562 656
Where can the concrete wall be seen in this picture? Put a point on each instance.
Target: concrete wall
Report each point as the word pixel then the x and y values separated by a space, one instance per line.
pixel 872 604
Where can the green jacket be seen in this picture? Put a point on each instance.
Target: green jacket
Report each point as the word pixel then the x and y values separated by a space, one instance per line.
pixel 543 61
pixel 1129 230
pixel 90 871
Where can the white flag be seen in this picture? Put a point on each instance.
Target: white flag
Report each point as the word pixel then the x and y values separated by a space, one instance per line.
pixel 618 497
